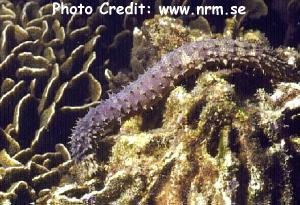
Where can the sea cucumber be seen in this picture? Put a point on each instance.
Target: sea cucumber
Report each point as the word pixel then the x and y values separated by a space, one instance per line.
pixel 157 81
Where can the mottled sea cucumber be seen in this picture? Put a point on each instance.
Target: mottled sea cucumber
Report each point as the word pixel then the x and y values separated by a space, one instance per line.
pixel 157 81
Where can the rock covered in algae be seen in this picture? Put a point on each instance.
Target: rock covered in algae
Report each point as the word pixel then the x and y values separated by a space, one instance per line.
pixel 217 140
pixel 211 149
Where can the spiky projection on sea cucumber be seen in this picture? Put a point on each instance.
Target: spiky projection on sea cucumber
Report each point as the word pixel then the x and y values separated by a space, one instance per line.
pixel 157 81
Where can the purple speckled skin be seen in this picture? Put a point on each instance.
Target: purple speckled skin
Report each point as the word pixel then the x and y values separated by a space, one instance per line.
pixel 157 81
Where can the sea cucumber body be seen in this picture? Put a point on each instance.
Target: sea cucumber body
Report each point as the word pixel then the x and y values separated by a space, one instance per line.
pixel 157 81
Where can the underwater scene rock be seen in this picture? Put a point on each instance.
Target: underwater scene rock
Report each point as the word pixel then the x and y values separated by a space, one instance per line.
pixel 104 109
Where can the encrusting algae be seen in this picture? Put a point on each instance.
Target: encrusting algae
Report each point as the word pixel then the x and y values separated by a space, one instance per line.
pixel 219 137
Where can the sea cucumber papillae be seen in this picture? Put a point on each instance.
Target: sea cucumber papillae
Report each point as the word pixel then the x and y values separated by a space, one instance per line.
pixel 157 81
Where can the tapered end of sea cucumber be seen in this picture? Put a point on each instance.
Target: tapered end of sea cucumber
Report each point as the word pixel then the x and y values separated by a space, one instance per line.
pixel 80 141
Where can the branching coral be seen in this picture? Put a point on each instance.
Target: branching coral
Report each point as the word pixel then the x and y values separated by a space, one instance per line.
pixel 50 74
pixel 25 174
